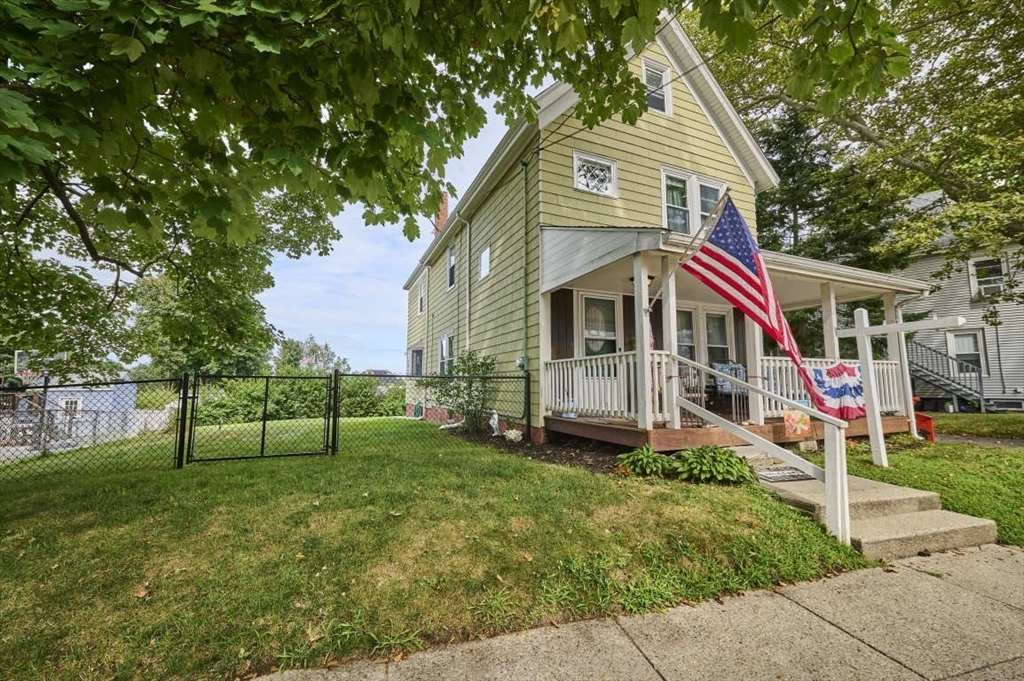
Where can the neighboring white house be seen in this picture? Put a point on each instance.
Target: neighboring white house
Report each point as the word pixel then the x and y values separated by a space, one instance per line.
pixel 976 364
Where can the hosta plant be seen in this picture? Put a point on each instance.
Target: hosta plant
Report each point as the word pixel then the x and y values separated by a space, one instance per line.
pixel 647 462
pixel 713 464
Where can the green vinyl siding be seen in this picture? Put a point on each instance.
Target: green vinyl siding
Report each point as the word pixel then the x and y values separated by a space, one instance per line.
pixel 686 141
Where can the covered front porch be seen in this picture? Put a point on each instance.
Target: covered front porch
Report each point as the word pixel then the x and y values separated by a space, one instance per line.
pixel 601 380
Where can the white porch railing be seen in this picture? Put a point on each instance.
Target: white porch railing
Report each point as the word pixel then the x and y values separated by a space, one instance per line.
pixel 602 386
pixel 779 376
pixel 605 386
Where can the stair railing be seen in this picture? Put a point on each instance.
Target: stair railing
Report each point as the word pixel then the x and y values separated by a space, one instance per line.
pixel 961 378
pixel 837 493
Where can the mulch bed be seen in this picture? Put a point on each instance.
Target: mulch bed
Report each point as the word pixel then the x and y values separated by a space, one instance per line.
pixel 599 457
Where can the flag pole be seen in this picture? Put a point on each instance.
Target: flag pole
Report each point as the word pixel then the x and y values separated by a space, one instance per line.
pixel 702 233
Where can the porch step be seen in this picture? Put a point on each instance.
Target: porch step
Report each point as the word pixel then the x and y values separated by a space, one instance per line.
pixel 908 534
pixel 868 498
pixel 889 521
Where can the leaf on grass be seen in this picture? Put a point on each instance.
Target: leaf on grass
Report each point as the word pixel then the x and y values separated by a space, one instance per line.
pixel 300 556
pixel 144 591
pixel 527 557
pixel 500 579
pixel 555 624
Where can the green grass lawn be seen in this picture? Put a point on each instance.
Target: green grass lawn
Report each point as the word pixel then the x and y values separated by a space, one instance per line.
pixel 983 481
pixel 999 425
pixel 407 538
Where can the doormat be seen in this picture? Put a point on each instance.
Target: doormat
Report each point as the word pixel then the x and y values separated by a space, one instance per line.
pixel 782 474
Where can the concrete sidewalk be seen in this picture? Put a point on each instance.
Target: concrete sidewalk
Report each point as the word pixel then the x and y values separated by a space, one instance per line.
pixel 956 615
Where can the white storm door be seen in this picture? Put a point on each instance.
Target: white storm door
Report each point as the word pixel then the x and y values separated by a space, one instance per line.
pixel 602 381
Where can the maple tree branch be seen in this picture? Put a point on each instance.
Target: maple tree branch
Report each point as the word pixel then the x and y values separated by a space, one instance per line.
pixel 57 187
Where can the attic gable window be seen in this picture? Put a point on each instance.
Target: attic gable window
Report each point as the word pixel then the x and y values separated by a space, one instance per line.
pixel 987 277
pixel 656 78
pixel 594 174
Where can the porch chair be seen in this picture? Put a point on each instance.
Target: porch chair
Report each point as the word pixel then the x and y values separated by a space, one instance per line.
pixel 727 392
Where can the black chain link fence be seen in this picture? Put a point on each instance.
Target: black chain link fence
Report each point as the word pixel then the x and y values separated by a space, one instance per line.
pixel 474 404
pixel 55 428
pixel 71 428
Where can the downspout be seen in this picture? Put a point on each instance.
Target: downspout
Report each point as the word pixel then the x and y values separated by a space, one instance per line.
pixel 908 389
pixel 526 231
pixel 527 415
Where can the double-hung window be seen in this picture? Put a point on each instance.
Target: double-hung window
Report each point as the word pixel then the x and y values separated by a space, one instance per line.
pixel 987 277
pixel 595 174
pixel 968 348
pixel 656 77
pixel 688 200
pixel 451 267
pixel 446 353
pixel 416 362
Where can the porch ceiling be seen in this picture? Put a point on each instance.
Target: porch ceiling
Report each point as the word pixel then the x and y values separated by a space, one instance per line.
pixel 600 259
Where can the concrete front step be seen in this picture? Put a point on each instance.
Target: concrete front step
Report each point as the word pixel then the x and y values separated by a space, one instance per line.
pixel 868 498
pixel 908 534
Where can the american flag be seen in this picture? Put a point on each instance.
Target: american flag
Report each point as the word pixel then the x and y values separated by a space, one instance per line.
pixel 730 264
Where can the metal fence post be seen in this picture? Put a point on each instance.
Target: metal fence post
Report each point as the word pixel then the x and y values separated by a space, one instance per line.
pixel 335 396
pixel 266 399
pixel 527 411
pixel 182 425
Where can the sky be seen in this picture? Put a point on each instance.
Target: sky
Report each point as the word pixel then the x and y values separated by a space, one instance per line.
pixel 353 299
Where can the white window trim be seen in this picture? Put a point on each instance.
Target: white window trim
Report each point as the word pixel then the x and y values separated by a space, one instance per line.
pixel 451 269
pixel 976 293
pixel 421 301
pixel 485 261
pixel 578 350
pixel 982 349
pixel 71 414
pixel 582 156
pixel 666 83
pixel 693 183
pixel 441 357
pixel 413 351
pixel 700 329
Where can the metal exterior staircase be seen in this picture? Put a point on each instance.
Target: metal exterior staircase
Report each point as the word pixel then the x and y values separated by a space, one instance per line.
pixel 947 373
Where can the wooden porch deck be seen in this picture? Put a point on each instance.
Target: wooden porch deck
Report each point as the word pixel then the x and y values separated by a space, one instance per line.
pixel 664 439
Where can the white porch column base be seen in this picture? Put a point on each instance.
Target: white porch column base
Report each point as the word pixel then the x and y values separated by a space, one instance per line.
pixel 641 298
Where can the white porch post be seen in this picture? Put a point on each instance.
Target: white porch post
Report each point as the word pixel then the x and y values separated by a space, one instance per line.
pixel 907 388
pixel 891 339
pixel 828 321
pixel 867 373
pixel 668 334
pixel 545 351
pixel 641 298
pixel 754 343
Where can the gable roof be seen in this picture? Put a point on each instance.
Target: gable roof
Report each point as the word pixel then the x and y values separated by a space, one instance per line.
pixel 560 98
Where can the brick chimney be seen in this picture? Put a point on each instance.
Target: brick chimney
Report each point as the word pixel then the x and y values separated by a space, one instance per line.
pixel 442 214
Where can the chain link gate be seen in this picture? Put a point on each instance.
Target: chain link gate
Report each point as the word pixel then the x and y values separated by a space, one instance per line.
pixel 269 416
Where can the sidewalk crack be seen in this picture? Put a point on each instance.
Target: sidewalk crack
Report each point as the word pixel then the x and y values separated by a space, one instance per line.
pixel 854 637
pixel 639 649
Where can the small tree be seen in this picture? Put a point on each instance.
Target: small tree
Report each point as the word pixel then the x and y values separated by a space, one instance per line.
pixel 467 390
